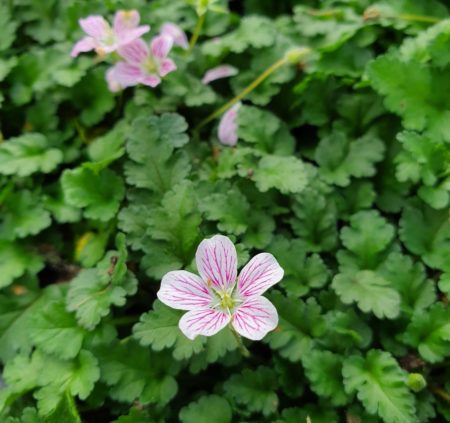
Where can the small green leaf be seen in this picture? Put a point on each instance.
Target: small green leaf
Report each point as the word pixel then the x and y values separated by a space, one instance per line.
pixel 211 408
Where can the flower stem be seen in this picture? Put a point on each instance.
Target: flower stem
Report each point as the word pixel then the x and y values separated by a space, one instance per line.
pixel 248 89
pixel 441 393
pixel 196 33
pixel 242 348
pixel 419 18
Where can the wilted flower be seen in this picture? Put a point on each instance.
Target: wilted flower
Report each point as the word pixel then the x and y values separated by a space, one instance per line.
pixel 219 72
pixel 173 31
pixel 219 297
pixel 104 39
pixel 228 127
pixel 144 64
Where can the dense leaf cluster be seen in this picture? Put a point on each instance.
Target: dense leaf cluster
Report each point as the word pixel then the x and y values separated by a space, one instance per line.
pixel 342 171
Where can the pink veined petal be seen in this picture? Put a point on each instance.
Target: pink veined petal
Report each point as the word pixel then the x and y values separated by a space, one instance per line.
pixel 95 26
pixel 205 322
pixel 227 131
pixel 131 35
pixel 151 80
pixel 85 44
pixel 127 75
pixel 219 72
pixel 184 291
pixel 217 261
pixel 254 318
pixel 135 53
pixel 111 79
pixel 166 66
pixel 160 46
pixel 259 274
pixel 124 20
pixel 179 37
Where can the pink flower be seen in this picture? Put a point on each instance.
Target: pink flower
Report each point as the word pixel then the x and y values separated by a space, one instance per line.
pixel 219 72
pixel 144 64
pixel 104 39
pixel 178 36
pixel 219 297
pixel 228 127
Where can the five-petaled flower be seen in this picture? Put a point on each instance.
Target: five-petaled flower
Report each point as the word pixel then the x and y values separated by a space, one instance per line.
pixel 219 296
pixel 103 38
pixel 144 64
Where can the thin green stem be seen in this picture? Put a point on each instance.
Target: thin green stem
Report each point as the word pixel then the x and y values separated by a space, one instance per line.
pixel 419 18
pixel 196 33
pixel 242 348
pixel 248 89
pixel 441 393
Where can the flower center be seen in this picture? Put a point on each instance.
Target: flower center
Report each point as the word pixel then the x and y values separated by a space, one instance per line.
pixel 226 301
pixel 150 66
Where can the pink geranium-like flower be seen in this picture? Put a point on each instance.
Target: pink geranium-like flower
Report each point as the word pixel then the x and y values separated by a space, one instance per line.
pixel 144 64
pixel 228 126
pixel 103 38
pixel 178 36
pixel 219 72
pixel 219 296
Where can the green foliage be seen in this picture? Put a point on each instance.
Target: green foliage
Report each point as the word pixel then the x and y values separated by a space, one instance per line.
pixel 379 384
pixel 341 170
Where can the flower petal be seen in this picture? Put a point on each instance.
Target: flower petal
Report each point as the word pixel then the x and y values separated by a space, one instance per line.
pixel 95 26
pixel 135 52
pixel 131 35
pixel 169 29
pixel 219 72
pixel 205 322
pixel 151 80
pixel 166 66
pixel 217 261
pixel 127 75
pixel 259 274
pixel 124 20
pixel 184 291
pixel 160 46
pixel 254 318
pixel 111 79
pixel 85 44
pixel 228 127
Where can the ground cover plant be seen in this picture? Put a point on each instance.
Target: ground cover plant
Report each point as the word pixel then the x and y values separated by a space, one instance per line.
pixel 311 137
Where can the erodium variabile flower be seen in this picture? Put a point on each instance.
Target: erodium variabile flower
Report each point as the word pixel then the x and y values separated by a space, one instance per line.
pixel 219 296
pixel 178 36
pixel 228 126
pixel 223 71
pixel 103 38
pixel 144 64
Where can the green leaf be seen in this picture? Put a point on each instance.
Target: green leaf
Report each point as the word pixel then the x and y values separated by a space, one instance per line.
pixel 431 241
pixel 254 389
pixel 340 158
pixel 77 377
pixel 66 411
pixel 23 215
pixel 371 292
pixel 315 414
pixel 206 409
pixel 415 92
pixel 324 371
pixel 93 291
pixel 28 154
pixel 159 329
pixel 287 174
pixel 368 235
pixel 429 332
pixel 148 377
pixel 299 325
pixel 151 146
pixel 15 260
pixel 98 193
pixel 380 385
pixel 56 332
